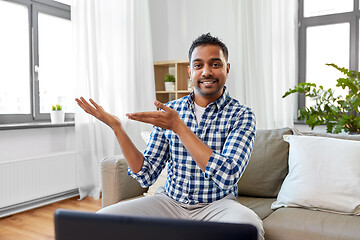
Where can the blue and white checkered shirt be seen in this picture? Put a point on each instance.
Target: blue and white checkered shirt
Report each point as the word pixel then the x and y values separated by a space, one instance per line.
pixel 226 127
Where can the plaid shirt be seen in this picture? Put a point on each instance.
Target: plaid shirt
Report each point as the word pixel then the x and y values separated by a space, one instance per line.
pixel 226 127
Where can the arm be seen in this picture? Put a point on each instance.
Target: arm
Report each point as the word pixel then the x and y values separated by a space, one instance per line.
pixel 169 119
pixel 155 157
pixel 133 156
pixel 226 167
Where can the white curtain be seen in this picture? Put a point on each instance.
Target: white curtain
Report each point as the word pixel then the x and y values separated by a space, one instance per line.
pixel 114 66
pixel 267 38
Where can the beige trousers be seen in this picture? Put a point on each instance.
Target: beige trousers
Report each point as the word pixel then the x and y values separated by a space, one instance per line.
pixel 227 209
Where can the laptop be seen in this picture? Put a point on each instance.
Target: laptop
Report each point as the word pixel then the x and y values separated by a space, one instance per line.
pixel 75 225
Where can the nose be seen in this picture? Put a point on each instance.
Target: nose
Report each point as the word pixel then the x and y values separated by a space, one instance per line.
pixel 207 71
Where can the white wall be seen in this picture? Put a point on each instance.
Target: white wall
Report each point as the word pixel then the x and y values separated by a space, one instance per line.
pixel 175 24
pixel 36 164
pixel 30 143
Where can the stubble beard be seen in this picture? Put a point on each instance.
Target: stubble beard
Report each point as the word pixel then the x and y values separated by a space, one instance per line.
pixel 205 93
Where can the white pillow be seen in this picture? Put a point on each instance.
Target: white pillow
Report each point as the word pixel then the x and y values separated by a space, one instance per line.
pixel 145 136
pixel 160 182
pixel 324 174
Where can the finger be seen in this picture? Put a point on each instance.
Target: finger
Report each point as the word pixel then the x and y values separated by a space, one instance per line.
pixel 86 104
pixel 95 104
pixel 80 103
pixel 144 115
pixel 162 106
pixel 151 120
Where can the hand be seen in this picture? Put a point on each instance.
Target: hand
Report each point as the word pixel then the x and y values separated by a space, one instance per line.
pixel 98 112
pixel 168 119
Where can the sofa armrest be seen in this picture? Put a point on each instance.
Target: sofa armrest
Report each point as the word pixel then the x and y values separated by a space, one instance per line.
pixel 117 185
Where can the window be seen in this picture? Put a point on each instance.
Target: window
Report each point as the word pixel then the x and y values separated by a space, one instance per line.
pixel 328 33
pixel 14 59
pixel 53 88
pixel 35 60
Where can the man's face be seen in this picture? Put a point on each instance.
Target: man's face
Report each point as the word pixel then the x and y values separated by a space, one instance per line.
pixel 208 71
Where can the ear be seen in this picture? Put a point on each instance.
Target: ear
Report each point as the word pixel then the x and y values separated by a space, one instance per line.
pixel 228 68
pixel 189 71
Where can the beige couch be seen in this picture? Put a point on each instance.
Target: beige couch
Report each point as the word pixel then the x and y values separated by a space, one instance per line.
pixel 258 189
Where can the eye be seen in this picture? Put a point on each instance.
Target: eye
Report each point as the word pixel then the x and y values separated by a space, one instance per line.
pixel 196 66
pixel 217 65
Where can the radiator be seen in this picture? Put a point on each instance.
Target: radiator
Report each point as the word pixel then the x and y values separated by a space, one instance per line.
pixel 29 179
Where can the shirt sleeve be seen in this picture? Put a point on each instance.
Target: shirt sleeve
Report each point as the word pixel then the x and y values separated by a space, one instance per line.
pixel 155 156
pixel 226 168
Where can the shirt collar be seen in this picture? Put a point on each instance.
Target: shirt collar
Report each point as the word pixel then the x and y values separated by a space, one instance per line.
pixel 219 103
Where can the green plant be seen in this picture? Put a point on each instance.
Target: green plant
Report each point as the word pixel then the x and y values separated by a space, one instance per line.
pixel 339 113
pixel 57 107
pixel 169 78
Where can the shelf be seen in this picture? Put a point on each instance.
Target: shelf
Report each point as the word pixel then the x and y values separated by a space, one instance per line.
pixel 178 68
pixel 165 92
pixel 184 91
pixel 183 61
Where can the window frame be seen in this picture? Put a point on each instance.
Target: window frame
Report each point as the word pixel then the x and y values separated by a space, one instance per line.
pixel 351 17
pixel 34 8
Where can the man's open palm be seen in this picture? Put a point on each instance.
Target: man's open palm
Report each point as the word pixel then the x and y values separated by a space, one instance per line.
pixel 98 112
pixel 168 119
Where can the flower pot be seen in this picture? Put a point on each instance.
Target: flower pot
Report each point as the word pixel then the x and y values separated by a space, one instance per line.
pixel 354 133
pixel 169 86
pixel 57 116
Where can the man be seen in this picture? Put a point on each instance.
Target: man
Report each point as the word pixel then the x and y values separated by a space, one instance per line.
pixel 205 139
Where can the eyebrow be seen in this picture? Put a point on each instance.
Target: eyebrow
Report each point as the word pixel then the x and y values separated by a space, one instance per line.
pixel 212 59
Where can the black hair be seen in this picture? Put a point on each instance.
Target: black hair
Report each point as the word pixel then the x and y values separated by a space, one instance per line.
pixel 207 39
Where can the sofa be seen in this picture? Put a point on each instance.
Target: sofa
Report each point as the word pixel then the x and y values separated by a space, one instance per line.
pixel 307 202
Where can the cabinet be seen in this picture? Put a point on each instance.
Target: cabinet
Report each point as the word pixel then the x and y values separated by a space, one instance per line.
pixel 178 68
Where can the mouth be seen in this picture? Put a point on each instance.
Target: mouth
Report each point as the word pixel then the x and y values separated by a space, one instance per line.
pixel 208 82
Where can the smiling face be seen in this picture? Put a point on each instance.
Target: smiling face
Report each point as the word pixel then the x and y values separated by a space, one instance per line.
pixel 208 71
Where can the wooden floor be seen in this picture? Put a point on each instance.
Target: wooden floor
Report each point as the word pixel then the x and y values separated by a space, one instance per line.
pixel 38 224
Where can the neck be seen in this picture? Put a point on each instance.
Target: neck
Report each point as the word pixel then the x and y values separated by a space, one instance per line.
pixel 203 101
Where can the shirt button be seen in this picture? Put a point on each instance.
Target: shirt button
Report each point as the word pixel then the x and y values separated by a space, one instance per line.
pixel 191 177
pixel 189 196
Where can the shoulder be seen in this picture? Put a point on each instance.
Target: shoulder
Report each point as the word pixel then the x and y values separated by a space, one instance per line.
pixel 240 115
pixel 236 107
pixel 178 104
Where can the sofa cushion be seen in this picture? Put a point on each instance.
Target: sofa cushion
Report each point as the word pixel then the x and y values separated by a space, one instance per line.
pixel 355 137
pixel 324 174
pixel 268 164
pixel 298 223
pixel 117 185
pixel 261 206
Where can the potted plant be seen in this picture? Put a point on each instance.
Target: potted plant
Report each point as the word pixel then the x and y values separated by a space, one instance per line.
pixel 57 114
pixel 338 113
pixel 169 81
